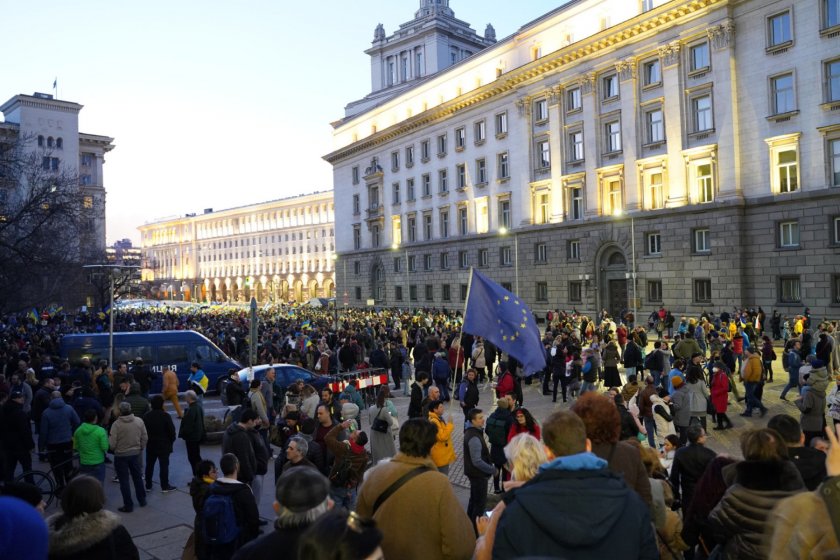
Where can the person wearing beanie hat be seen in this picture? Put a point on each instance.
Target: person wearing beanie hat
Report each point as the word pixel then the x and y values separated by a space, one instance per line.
pixel 812 403
pixel 682 407
pixel 23 533
pixel 301 497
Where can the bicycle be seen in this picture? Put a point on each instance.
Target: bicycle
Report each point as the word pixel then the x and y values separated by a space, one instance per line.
pixel 45 481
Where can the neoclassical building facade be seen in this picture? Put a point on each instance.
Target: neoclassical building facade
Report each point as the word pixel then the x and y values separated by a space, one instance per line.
pixel 611 154
pixel 276 251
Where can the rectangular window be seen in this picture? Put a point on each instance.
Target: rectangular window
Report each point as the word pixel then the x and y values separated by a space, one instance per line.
pixel 411 229
pixel 576 203
pixel 444 261
pixel 504 214
pixel 542 208
pixel 542 291
pixel 445 294
pixel 356 204
pixel 541 110
pixel 655 126
pixel 483 258
pixel 652 72
pixel 573 250
pixel 409 188
pixel 425 150
pixel 789 289
pixel 501 124
pixel 395 193
pixel 480 131
pixel 834 162
pixel 412 292
pixel 654 290
pixel 507 286
pixel 654 244
pixel 427 227
pixel 427 184
pixel 412 263
pixel 358 293
pixel 357 268
pixel 409 156
pixel 782 95
pixel 441 145
pixel 503 166
pixel 461 175
pixel 573 99
pixel 87 201
pixel 357 237
pixel 614 196
pixel 481 171
pixel 655 191
pixel 612 137
pixel 779 31
pixel 505 256
pixel 544 154
pixel 786 168
pixel 701 109
pixel 356 175
pixel 832 80
pixel 463 221
pixel 610 85
pixel 831 13
pixel 702 242
pixel 702 290
pixel 575 291
pixel 463 259
pixel 395 161
pixel 463 291
pixel 398 293
pixel 789 234
pixel 460 138
pixel 576 145
pixel 541 253
pixel 443 185
pixel 397 264
pixel 444 224
pixel 699 57
pixel 705 184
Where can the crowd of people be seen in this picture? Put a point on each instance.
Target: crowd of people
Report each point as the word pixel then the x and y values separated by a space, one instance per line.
pixel 625 463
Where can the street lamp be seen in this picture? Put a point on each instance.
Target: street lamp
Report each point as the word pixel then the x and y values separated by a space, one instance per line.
pixel 111 309
pixel 503 231
pixel 618 213
pixel 335 292
pixel 396 247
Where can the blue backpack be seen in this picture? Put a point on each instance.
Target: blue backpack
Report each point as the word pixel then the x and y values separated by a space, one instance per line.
pixel 219 525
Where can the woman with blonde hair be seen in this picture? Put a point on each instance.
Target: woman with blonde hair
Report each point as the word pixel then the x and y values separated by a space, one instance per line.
pixel 525 454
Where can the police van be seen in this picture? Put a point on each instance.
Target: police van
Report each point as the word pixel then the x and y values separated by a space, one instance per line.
pixel 159 350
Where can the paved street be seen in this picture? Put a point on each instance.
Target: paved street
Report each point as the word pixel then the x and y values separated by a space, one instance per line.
pixel 161 529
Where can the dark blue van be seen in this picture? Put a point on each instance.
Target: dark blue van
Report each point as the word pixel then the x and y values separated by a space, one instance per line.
pixel 159 350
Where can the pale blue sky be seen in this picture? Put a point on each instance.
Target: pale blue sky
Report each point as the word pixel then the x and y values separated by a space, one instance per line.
pixel 212 104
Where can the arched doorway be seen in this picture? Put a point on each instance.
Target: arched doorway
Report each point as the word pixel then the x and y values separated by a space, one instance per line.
pixel 298 291
pixel 612 281
pixel 329 288
pixel 313 288
pixel 284 291
pixel 377 281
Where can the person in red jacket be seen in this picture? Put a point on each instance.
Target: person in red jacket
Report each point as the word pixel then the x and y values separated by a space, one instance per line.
pixel 505 384
pixel 720 396
pixel 523 423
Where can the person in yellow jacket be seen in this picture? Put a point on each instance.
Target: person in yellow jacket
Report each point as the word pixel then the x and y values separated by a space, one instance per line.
pixel 170 390
pixel 751 375
pixel 443 451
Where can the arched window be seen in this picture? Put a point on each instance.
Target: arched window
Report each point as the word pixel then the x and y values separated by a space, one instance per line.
pixel 40 141
pixel 617 259
pixel 50 142
pixel 59 143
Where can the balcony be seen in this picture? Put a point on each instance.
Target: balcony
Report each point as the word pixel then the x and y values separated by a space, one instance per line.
pixel 375 211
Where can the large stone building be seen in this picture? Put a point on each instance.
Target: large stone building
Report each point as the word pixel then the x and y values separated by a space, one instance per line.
pixel 277 251
pixel 686 151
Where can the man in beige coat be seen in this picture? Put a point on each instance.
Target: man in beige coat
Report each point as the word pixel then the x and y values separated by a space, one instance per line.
pixel 128 438
pixel 426 500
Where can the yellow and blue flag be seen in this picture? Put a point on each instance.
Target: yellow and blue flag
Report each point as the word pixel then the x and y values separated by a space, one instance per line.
pixel 505 320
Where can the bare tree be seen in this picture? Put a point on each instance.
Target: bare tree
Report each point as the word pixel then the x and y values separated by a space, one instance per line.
pixel 125 280
pixel 43 227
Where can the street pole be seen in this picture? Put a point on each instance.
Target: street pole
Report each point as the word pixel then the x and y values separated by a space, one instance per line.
pixel 407 284
pixel 253 349
pixel 516 260
pixel 111 312
pixel 633 259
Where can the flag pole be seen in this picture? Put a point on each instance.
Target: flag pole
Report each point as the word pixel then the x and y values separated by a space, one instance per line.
pixel 460 342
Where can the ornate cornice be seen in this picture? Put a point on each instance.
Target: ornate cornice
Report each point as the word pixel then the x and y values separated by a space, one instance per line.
pixel 606 40
pixel 670 53
pixel 626 69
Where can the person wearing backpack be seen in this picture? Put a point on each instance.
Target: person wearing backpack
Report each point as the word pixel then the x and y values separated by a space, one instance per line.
pixel 229 517
pixel 497 428
pixel 351 460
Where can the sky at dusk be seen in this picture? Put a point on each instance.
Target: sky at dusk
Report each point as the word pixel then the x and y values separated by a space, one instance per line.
pixel 212 104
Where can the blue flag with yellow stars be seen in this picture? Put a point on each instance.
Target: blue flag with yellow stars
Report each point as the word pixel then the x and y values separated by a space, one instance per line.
pixel 505 320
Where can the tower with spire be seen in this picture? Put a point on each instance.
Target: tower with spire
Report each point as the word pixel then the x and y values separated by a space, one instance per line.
pixel 433 41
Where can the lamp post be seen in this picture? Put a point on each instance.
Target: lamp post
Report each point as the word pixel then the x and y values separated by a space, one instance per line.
pixel 503 231
pixel 335 293
pixel 618 213
pixel 111 309
pixel 396 247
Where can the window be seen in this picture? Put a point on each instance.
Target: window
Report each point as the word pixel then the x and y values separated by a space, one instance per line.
pixel 701 110
pixel 87 161
pixel 544 154
pixel 357 268
pixel 87 201
pixel 542 291
pixel 503 166
pixel 654 126
pixel 443 185
pixel 412 263
pixel 460 138
pixel 655 191
pixel 481 171
pixel 427 226
pixel 612 137
pixel 705 184
pixel 654 290
pixel 573 250
pixel 397 264
pixel 613 195
pixel 541 110
pixel 501 124
pixel 463 221
pixel 355 173
pixel 576 145
pixel 576 203
pixel 445 294
pixel 444 224
pixel 504 213
pixel 831 13
pixel 832 80
pixel 375 235
pixel 395 193
pixel 357 237
pixel 395 161
pixel 409 156
pixel 358 293
pixel 463 259
pixel 398 293
pixel 505 255
pixel 699 57
pixel 652 72
pixel 40 141
pixel 573 99
pixel 409 190
pixel 463 290
pixel 610 86
pixel 701 240
pixel 483 257
pixel 702 290
pixel 373 197
pixel 834 163
pixel 411 229
pixel 541 253
pixel 779 31
pixel 427 184
pixel 412 292
pixel 461 175
pixel 789 234
pixel 480 131
pixel 424 151
pixel 789 289
pixel 542 208
pixel 654 244
pixel 835 222
pixel 786 170
pixel 576 291
pixel 430 292
pixel 441 145
pixel 781 94
pixel 427 262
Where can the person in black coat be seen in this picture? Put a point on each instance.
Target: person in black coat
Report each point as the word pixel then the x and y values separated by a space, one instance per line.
pixel 15 437
pixel 689 464
pixel 244 507
pixel 234 393
pixel 161 432
pixel 237 441
pixel 395 362
pixel 415 406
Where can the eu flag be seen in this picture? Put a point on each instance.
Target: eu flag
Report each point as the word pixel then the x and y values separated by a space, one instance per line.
pixel 505 320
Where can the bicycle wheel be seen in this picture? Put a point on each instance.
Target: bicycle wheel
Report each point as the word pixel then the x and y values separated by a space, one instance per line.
pixel 43 481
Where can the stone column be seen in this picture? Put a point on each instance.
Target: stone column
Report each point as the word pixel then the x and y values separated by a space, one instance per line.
pixel 676 193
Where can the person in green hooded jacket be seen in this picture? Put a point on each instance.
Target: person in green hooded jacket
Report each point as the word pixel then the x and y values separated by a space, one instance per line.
pixel 91 442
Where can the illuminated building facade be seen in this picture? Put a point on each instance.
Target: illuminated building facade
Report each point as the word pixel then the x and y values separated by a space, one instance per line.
pixel 277 251
pixel 610 154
